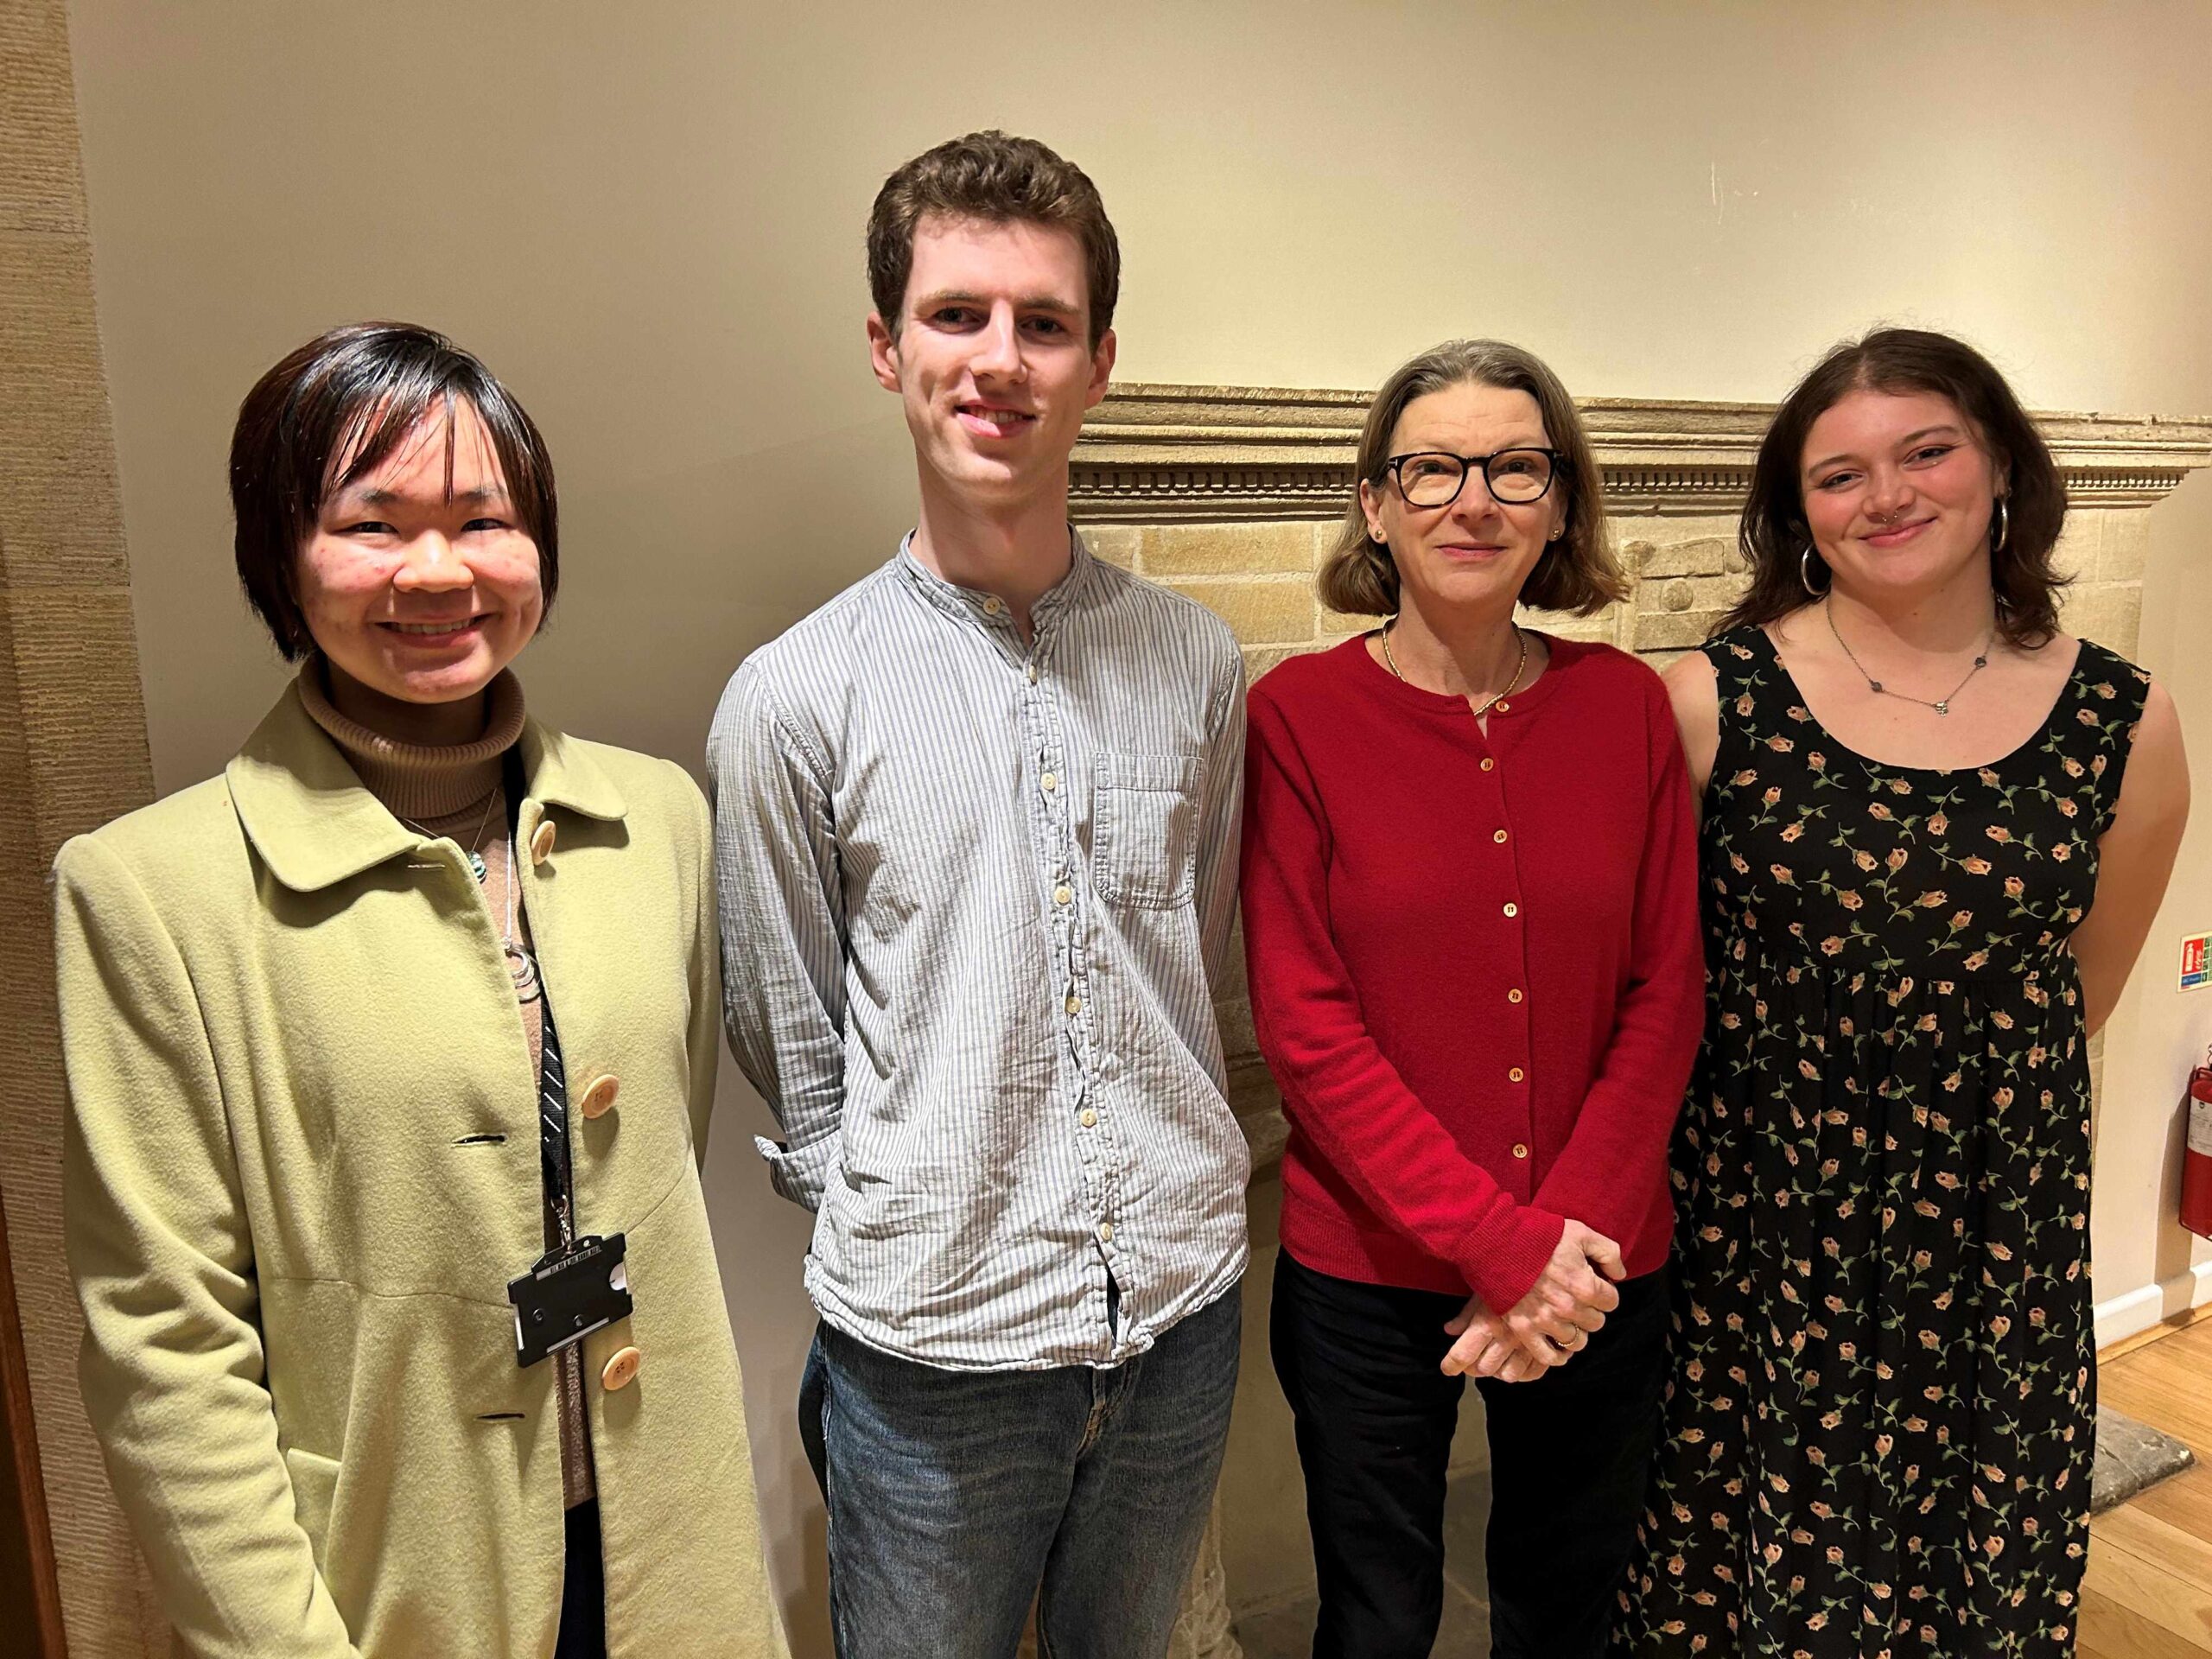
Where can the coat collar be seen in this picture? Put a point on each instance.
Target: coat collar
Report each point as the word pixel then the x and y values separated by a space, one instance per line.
pixel 315 824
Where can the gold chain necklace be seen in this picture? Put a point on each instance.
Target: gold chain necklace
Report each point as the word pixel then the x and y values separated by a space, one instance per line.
pixel 1520 664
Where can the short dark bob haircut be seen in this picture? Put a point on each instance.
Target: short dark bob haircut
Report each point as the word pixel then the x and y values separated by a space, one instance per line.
pixel 997 179
pixel 1577 573
pixel 1774 533
pixel 337 408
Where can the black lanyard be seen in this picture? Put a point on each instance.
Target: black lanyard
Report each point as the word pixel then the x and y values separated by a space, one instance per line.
pixel 552 1076
pixel 553 1136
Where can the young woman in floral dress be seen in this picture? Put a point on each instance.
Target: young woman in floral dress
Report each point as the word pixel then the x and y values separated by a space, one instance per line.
pixel 1935 830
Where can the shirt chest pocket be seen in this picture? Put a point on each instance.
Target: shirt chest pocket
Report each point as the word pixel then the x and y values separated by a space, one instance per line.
pixel 1144 828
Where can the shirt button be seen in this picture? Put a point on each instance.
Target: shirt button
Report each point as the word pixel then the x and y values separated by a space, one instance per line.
pixel 1513 995
pixel 1497 835
pixel 1064 895
pixel 1089 1119
pixel 1050 780
pixel 1502 708
pixel 1032 671
pixel 1073 1005
pixel 1105 1232
pixel 1519 1150
pixel 1489 764
pixel 994 605
pixel 541 843
pixel 1514 1075
pixel 1513 910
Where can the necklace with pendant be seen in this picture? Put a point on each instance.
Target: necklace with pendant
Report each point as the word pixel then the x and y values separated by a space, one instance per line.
pixel 477 866
pixel 522 966
pixel 1943 704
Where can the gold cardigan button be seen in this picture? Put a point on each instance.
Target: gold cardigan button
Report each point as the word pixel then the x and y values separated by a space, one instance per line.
pixel 599 1094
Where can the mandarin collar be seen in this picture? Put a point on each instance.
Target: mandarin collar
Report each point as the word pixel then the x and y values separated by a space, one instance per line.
pixel 987 610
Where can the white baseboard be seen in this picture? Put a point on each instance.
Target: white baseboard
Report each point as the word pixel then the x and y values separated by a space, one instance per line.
pixel 2140 1309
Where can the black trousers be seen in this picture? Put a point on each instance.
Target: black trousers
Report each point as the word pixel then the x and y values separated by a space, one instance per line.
pixel 583 1589
pixel 1570 1458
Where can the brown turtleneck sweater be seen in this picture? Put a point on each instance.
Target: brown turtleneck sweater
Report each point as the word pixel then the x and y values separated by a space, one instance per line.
pixel 454 793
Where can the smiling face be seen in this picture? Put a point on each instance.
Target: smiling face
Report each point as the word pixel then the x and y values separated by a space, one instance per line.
pixel 992 358
pixel 1899 491
pixel 416 592
pixel 1478 550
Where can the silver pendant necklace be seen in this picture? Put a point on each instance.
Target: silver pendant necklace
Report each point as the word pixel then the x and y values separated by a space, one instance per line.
pixel 522 966
pixel 477 866
pixel 1943 704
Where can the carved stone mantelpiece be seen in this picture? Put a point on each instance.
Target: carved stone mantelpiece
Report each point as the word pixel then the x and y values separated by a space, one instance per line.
pixel 1161 454
pixel 1231 493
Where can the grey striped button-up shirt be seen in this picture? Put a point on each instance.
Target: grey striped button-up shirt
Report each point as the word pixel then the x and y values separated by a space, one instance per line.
pixel 975 895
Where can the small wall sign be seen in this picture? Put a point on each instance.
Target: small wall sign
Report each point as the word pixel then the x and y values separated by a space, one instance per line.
pixel 2195 970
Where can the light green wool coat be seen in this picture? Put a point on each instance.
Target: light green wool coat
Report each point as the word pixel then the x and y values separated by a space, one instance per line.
pixel 302 1164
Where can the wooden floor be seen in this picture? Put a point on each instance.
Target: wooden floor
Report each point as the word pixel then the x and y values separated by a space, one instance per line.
pixel 2149 1594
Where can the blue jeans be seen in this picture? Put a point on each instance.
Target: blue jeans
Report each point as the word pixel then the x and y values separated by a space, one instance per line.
pixel 956 1498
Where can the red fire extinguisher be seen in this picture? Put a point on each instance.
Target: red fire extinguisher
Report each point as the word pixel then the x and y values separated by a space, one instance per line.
pixel 2196 1162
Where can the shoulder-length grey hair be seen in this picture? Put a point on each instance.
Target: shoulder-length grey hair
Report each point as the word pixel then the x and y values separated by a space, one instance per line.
pixel 1576 573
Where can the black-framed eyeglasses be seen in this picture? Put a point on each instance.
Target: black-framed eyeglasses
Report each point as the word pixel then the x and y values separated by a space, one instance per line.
pixel 1433 478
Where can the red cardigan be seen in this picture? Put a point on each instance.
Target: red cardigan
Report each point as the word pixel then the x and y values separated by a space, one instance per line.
pixel 1476 967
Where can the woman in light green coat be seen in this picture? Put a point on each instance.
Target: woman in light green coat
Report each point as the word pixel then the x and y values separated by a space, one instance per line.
pixel 390 1053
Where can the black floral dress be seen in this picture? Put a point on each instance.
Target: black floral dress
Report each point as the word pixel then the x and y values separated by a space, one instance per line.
pixel 1878 1432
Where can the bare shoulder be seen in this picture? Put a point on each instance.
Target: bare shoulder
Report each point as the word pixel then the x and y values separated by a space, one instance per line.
pixel 1694 691
pixel 1693 694
pixel 2158 767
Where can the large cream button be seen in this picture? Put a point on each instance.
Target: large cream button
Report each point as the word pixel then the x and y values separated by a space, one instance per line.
pixel 541 844
pixel 1050 780
pixel 1033 673
pixel 1513 910
pixel 1064 895
pixel 1513 995
pixel 1520 1151
pixel 1105 1232
pixel 1498 834
pixel 599 1094
pixel 622 1370
pixel 1089 1119
pixel 1514 1075
pixel 1489 764
pixel 1074 1005
pixel 994 605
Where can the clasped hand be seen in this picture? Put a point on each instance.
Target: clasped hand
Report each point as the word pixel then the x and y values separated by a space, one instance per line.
pixel 1551 1323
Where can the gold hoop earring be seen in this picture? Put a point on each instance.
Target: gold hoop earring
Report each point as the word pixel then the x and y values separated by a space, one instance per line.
pixel 1805 573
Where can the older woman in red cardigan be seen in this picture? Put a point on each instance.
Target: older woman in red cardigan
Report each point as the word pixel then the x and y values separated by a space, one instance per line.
pixel 1476 972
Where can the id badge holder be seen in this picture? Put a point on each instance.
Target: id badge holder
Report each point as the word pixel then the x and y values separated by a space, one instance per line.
pixel 572 1292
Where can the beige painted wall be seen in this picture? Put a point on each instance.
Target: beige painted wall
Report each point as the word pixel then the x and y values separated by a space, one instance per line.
pixel 647 217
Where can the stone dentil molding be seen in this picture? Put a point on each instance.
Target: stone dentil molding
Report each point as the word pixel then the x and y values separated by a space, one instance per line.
pixel 1178 455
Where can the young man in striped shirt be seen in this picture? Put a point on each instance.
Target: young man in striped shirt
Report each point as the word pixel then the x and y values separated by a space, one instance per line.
pixel 977 839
